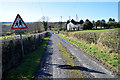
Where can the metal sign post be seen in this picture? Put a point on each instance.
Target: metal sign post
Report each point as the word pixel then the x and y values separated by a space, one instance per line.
pixel 22 44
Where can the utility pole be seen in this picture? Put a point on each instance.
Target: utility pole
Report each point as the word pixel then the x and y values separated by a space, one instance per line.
pixel 61 18
pixel 69 18
pixel 47 19
pixel 76 18
pixel 60 23
pixel 43 18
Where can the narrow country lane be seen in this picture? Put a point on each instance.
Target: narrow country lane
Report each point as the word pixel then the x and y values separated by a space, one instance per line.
pixel 48 67
pixel 64 60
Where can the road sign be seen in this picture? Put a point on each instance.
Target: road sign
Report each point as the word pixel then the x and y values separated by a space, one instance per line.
pixel 19 26
pixel 22 31
pixel 19 23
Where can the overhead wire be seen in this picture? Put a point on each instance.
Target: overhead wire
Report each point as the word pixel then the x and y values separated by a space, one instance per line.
pixel 40 5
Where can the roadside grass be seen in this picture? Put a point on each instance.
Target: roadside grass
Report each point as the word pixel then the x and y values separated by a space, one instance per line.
pixel 68 61
pixel 93 50
pixel 101 30
pixel 28 66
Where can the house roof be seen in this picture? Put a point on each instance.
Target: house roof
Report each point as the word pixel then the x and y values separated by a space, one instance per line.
pixel 75 23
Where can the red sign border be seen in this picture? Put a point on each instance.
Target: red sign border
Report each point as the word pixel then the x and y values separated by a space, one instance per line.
pixel 22 21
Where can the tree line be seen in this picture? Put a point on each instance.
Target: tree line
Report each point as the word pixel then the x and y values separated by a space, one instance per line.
pixel 99 24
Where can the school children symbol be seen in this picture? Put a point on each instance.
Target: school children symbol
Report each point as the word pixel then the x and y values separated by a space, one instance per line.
pixel 19 23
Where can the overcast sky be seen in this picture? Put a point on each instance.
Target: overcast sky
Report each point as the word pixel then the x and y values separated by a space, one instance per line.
pixel 32 11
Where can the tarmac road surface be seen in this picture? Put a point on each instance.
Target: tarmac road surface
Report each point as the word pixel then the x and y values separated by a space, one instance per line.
pixel 53 64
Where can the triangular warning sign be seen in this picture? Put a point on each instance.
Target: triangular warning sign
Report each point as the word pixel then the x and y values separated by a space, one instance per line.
pixel 19 23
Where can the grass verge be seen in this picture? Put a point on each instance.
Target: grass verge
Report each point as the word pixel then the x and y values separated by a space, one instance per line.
pixel 68 61
pixel 101 30
pixel 28 66
pixel 111 59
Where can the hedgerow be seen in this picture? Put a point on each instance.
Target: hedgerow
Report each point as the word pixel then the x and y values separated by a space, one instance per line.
pixel 11 49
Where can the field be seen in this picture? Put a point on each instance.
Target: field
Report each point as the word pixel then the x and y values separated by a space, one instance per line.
pixel 12 36
pixel 104 30
pixel 54 29
pixel 7 24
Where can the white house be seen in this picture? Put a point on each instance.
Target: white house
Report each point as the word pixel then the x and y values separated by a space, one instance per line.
pixel 71 26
